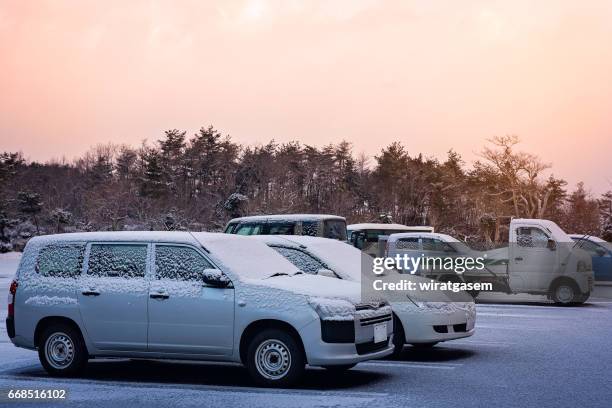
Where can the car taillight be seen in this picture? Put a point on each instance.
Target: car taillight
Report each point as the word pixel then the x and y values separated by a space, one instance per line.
pixel 11 298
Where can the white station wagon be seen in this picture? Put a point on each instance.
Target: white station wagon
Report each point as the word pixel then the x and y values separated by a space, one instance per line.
pixel 180 295
pixel 421 319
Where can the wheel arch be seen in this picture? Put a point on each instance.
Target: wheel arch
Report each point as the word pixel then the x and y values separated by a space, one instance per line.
pixel 562 279
pixel 257 326
pixel 50 320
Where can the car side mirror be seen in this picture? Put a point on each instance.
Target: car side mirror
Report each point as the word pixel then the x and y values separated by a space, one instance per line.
pixel 214 277
pixel 326 272
pixel 551 244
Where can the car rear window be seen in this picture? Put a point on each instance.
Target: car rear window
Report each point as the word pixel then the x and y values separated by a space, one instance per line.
pixel 335 229
pixel 61 261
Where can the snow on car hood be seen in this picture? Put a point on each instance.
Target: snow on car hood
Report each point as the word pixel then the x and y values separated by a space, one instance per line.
pixel 314 286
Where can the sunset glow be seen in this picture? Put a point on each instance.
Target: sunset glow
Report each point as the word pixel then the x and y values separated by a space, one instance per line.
pixel 433 75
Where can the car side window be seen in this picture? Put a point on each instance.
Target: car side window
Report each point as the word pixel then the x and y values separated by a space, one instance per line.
pixel 531 237
pixel 230 228
pixel 179 263
pixel 411 243
pixel 310 228
pixel 60 261
pixel 334 229
pixel 443 246
pixel 248 229
pixel 117 260
pixel 281 228
pixel 428 244
pixel 305 262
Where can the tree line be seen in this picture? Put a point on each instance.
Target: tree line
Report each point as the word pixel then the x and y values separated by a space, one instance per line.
pixel 199 182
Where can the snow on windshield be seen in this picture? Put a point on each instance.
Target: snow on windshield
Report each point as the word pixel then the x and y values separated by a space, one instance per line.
pixel 342 258
pixel 247 258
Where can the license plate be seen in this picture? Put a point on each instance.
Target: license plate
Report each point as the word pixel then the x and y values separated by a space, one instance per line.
pixel 380 332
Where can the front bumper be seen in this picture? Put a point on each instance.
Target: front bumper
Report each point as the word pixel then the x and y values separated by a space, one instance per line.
pixel 320 353
pixel 425 325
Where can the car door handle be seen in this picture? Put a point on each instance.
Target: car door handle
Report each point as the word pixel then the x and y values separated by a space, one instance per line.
pixel 90 293
pixel 159 296
pixel 520 258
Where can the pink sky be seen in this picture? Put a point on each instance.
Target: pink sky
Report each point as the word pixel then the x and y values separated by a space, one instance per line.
pixel 434 75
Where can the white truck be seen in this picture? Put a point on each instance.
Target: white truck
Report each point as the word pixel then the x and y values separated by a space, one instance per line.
pixel 540 259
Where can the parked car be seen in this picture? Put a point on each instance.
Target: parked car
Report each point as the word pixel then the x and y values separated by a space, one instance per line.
pixel 601 255
pixel 423 319
pixel 315 225
pixel 541 259
pixel 180 295
pixel 366 236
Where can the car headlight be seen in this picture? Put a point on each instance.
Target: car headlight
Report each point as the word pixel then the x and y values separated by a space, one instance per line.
pixel 332 309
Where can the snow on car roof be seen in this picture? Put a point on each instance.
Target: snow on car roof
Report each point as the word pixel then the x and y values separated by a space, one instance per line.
pixel 288 217
pixel 442 237
pixel 246 258
pixel 376 226
pixel 119 236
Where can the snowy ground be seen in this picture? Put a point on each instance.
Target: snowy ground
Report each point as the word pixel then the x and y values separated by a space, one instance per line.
pixel 525 353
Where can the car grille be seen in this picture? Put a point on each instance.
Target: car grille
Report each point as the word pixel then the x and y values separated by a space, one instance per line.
pixel 370 305
pixel 368 321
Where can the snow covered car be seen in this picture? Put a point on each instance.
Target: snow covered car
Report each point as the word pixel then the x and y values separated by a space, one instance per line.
pixel 314 225
pixel 423 320
pixel 180 295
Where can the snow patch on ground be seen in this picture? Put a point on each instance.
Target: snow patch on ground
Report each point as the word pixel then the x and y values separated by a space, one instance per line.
pixel 8 264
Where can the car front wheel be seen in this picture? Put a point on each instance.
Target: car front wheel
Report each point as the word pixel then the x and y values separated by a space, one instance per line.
pixel 275 358
pixel 565 293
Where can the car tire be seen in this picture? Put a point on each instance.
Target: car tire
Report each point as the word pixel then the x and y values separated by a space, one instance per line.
pixel 399 338
pixel 565 293
pixel 424 345
pixel 275 358
pixel 339 368
pixel 62 351
pixel 583 298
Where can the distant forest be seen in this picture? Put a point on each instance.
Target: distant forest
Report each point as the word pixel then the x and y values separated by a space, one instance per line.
pixel 200 182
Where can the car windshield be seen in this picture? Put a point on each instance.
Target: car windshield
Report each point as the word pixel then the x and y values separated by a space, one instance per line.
pixel 246 258
pixel 348 261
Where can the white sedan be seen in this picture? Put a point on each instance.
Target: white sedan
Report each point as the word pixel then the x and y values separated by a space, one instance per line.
pixel 422 320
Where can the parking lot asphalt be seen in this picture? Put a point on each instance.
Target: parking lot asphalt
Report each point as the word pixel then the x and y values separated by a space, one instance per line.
pixel 525 353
